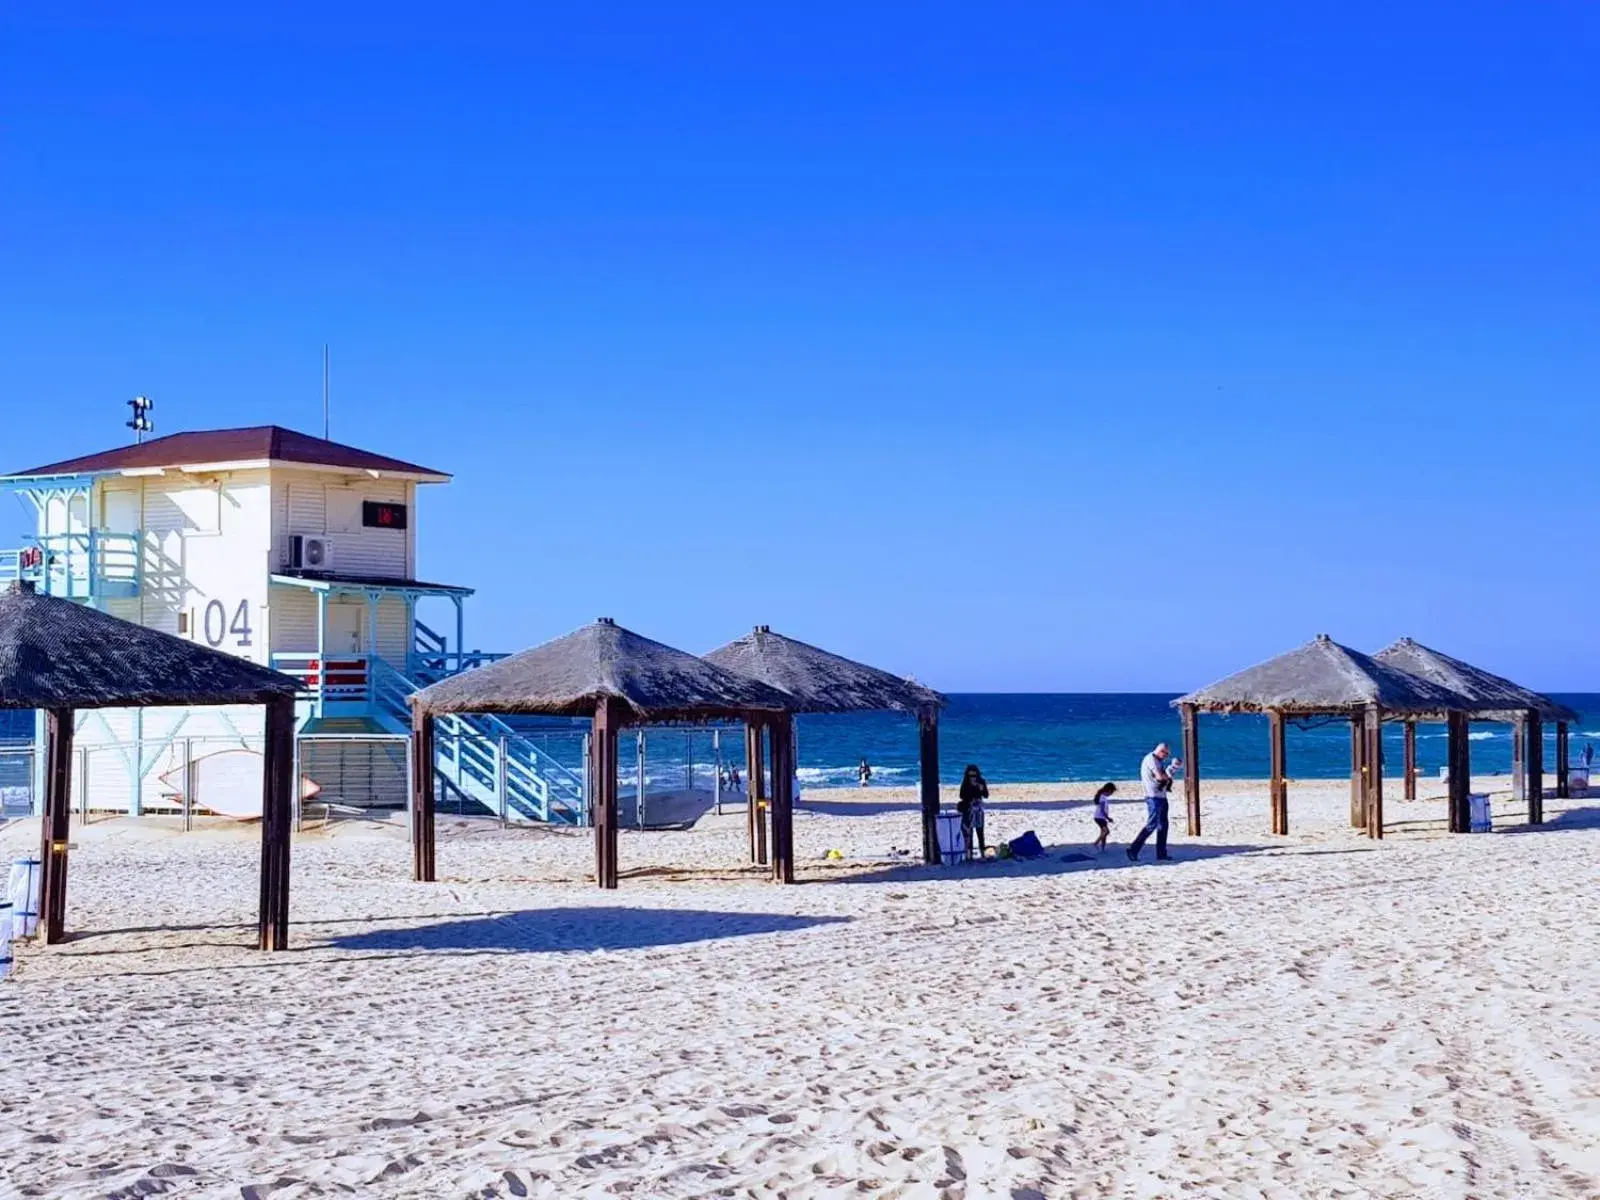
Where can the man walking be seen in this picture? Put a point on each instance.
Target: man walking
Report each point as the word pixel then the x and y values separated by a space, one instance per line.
pixel 1157 780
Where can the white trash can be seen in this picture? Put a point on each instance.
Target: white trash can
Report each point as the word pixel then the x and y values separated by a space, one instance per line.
pixel 1578 782
pixel 22 892
pixel 952 846
pixel 1478 813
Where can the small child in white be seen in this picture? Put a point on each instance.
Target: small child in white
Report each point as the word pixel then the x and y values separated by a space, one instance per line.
pixel 1102 814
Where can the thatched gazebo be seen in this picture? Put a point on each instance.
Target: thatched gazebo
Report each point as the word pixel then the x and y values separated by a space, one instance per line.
pixel 59 656
pixel 1489 697
pixel 616 678
pixel 816 681
pixel 1321 679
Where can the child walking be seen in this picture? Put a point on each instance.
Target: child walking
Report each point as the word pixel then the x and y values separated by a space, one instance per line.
pixel 1102 814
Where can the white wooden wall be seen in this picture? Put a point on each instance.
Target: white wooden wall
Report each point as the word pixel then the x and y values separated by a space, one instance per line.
pixel 307 502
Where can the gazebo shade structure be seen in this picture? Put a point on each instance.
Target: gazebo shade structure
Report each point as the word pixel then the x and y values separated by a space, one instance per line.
pixel 59 656
pixel 817 681
pixel 1488 697
pixel 616 678
pixel 1319 679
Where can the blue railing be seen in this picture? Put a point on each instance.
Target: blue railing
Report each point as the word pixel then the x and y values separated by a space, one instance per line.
pixel 77 566
pixel 486 760
pixel 431 658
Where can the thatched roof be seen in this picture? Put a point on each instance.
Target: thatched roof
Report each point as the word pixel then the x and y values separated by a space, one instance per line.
pixel 571 675
pixel 819 682
pixel 1323 677
pixel 58 654
pixel 1488 696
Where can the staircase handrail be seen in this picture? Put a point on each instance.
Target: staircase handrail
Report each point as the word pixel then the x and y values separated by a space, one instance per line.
pixel 534 762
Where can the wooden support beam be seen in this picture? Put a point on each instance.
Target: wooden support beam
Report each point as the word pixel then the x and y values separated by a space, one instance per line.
pixel 1279 790
pixel 1411 761
pixel 1358 773
pixel 1459 770
pixel 1563 762
pixel 55 828
pixel 755 758
pixel 928 759
pixel 1372 722
pixel 608 719
pixel 1519 759
pixel 422 822
pixel 1533 755
pixel 277 825
pixel 1190 717
pixel 782 756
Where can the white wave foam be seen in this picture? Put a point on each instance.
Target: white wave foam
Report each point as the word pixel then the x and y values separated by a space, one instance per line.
pixel 1481 736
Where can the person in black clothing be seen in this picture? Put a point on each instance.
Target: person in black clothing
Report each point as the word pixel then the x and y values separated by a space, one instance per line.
pixel 974 791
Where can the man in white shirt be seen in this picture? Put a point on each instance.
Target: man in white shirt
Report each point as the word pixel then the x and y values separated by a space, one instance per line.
pixel 1157 780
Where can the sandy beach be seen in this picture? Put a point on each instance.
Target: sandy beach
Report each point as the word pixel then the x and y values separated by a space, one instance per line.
pixel 1310 1016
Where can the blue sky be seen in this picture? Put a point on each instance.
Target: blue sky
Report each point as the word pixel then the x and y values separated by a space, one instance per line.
pixel 1020 347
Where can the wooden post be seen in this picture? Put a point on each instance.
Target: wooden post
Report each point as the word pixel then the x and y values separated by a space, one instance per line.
pixel 1459 768
pixel 422 851
pixel 608 717
pixel 928 758
pixel 55 828
pixel 1563 764
pixel 1279 789
pixel 1191 765
pixel 1533 756
pixel 1372 722
pixel 781 741
pixel 1519 758
pixel 1411 761
pixel 756 787
pixel 277 816
pixel 1358 774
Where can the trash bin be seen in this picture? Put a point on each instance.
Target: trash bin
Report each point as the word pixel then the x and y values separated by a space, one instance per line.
pixel 1478 813
pixel 1578 781
pixel 22 891
pixel 952 846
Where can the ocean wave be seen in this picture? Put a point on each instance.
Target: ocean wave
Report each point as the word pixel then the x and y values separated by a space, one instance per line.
pixel 1481 736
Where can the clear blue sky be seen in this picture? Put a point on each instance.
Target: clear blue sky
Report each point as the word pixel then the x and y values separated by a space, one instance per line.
pixel 1032 347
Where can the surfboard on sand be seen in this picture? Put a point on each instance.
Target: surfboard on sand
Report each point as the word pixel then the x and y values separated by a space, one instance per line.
pixel 228 783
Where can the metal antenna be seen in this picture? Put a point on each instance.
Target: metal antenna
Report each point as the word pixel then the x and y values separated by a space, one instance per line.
pixel 141 423
pixel 324 391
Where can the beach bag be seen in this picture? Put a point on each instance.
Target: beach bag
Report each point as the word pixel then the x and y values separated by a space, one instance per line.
pixel 1026 846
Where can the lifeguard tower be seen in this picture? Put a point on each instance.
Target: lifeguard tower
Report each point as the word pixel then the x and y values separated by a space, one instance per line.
pixel 288 550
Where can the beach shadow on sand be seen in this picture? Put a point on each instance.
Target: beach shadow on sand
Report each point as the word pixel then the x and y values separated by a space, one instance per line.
pixel 1063 860
pixel 558 930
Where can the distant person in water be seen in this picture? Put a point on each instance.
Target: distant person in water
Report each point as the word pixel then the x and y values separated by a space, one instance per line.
pixel 734 783
pixel 1588 755
pixel 1102 814
pixel 864 773
pixel 974 791
pixel 1156 774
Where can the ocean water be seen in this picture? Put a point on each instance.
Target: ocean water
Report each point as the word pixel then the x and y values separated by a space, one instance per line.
pixel 1054 738
pixel 1033 738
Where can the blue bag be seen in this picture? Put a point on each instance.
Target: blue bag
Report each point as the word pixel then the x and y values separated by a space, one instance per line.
pixel 1026 846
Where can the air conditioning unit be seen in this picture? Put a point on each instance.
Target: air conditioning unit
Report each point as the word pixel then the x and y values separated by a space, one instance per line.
pixel 307 553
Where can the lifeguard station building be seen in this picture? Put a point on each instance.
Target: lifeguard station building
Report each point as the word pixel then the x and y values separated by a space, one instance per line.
pixel 291 551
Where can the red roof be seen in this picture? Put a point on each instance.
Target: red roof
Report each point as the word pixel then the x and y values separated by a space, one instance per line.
pixel 206 446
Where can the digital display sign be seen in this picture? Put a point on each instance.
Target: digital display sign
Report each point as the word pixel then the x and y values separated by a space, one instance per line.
pixel 380 514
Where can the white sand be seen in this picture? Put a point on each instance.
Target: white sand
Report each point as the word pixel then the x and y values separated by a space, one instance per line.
pixel 1314 1016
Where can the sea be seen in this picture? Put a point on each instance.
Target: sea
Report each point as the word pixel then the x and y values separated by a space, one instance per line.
pixel 1070 737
